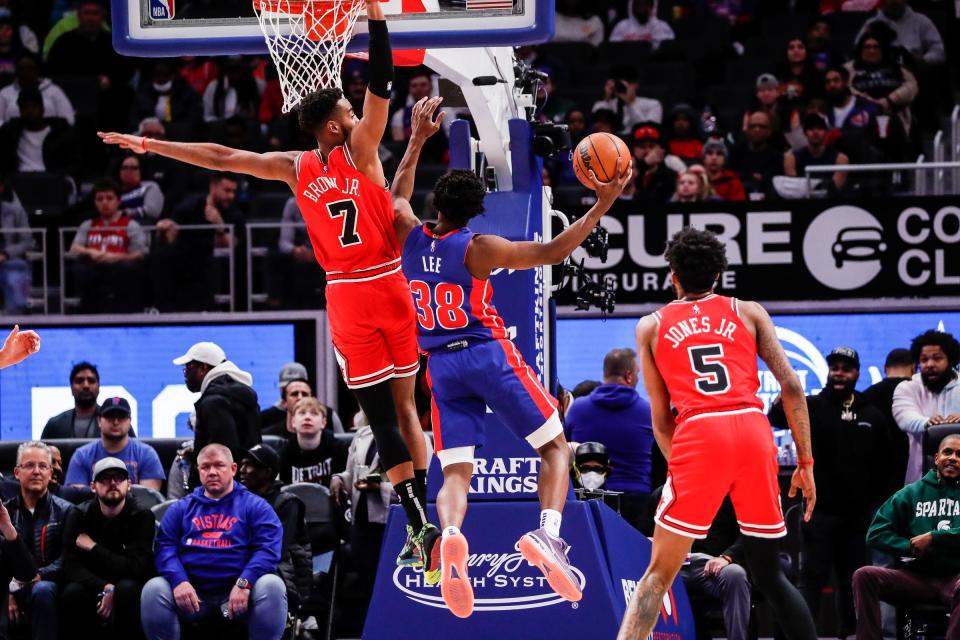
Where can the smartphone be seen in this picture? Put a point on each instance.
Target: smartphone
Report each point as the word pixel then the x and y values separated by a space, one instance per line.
pixel 373 477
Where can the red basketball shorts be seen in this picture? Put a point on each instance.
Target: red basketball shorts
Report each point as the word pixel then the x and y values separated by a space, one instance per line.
pixel 373 330
pixel 715 454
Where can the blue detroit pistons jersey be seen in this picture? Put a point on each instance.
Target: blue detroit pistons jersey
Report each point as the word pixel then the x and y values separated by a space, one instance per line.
pixel 451 304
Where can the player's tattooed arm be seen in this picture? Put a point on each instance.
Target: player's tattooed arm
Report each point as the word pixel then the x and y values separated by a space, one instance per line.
pixel 275 165
pixel 487 252
pixel 422 126
pixel 794 402
pixel 664 423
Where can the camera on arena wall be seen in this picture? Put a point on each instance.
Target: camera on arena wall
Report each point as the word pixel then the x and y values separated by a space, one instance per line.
pixel 550 138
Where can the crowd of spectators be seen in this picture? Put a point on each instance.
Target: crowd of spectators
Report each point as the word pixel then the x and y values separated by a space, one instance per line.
pixel 77 541
pixel 862 82
pixel 873 527
pixel 743 95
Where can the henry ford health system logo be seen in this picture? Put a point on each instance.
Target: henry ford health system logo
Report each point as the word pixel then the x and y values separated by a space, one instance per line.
pixel 843 246
pixel 501 582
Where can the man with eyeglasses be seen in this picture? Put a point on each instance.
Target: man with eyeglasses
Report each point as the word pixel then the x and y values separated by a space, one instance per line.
pixel 107 556
pixel 228 412
pixel 38 516
pixel 142 461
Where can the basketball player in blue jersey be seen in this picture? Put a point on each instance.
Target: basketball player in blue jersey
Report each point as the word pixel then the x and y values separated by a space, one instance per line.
pixel 472 362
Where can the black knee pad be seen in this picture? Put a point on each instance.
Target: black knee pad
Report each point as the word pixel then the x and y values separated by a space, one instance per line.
pixel 377 404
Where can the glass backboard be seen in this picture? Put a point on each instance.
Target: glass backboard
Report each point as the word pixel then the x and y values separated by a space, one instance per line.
pixel 154 28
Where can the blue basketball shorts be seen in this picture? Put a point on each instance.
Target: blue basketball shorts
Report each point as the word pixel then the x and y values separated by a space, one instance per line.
pixel 486 374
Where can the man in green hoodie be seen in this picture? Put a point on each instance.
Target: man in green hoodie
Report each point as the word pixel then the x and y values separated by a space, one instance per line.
pixel 920 523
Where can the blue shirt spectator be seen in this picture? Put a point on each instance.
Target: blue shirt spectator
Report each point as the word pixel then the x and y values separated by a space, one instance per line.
pixel 616 416
pixel 142 461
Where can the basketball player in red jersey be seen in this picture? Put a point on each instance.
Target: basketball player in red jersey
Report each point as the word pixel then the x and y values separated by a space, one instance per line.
pixel 343 196
pixel 699 359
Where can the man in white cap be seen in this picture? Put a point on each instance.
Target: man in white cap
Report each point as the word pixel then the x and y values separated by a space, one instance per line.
pixel 227 411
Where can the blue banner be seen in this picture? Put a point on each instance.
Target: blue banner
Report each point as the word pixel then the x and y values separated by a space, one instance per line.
pixel 582 344
pixel 512 598
pixel 135 362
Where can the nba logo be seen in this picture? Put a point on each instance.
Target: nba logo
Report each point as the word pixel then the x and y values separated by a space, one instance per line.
pixel 161 9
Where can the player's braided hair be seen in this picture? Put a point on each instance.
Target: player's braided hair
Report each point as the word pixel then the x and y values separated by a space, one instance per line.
pixel 458 195
pixel 942 339
pixel 696 257
pixel 317 108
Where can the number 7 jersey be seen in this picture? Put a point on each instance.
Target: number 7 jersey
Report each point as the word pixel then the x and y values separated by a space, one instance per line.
pixel 349 218
pixel 707 357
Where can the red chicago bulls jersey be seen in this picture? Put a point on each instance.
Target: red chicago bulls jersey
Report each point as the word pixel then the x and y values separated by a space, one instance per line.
pixel 349 218
pixel 707 357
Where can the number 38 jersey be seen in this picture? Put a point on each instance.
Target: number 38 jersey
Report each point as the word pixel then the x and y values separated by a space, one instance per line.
pixel 349 218
pixel 707 357
pixel 451 304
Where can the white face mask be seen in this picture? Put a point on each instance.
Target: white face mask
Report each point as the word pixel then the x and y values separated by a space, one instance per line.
pixel 163 88
pixel 592 480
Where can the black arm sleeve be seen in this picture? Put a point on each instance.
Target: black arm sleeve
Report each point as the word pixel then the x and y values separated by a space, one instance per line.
pixel 381 59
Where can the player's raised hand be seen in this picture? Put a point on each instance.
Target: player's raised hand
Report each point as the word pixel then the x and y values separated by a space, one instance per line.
pixel 608 192
pixel 802 481
pixel 137 144
pixel 422 123
pixel 18 346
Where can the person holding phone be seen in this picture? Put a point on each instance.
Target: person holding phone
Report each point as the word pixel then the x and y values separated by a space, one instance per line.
pixel 620 95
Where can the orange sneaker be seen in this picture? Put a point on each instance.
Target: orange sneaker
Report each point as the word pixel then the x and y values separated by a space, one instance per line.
pixel 455 586
pixel 550 556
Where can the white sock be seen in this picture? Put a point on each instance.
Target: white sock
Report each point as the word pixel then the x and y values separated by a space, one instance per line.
pixel 550 521
pixel 450 531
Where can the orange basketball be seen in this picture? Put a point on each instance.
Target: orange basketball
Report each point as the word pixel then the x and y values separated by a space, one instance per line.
pixel 599 152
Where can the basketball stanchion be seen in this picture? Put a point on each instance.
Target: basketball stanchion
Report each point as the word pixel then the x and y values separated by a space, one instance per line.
pixel 512 598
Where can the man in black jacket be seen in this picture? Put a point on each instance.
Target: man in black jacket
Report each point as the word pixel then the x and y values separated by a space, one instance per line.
pixel 227 412
pixel 898 367
pixel 81 421
pixel 108 556
pixel 848 436
pixel 33 142
pixel 38 517
pixel 258 468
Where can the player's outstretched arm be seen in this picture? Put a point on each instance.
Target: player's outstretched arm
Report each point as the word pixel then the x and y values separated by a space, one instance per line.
pixel 404 219
pixel 275 165
pixel 422 126
pixel 365 137
pixel 794 402
pixel 487 252
pixel 664 424
pixel 18 346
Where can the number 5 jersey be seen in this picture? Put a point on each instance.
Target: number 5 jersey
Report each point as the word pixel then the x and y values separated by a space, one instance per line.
pixel 707 357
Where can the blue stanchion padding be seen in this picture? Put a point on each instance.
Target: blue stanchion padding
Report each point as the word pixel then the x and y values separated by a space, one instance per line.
pixel 626 562
pixel 512 599
pixel 506 468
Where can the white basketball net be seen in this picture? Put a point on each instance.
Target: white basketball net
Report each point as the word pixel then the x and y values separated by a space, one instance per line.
pixel 307 40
